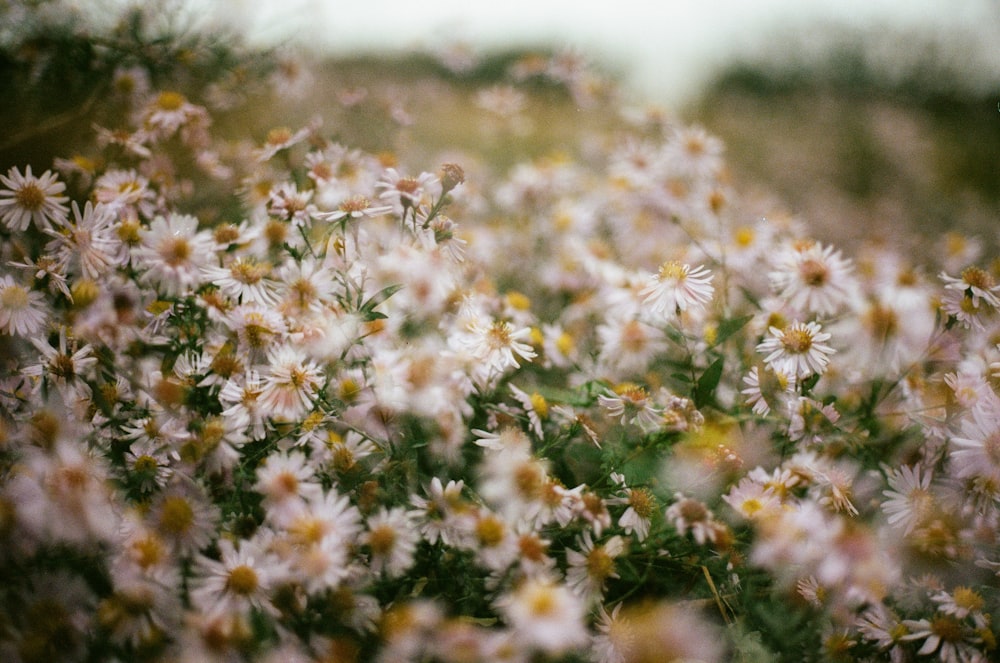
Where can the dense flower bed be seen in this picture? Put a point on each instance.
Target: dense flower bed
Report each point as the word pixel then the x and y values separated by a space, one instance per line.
pixel 589 408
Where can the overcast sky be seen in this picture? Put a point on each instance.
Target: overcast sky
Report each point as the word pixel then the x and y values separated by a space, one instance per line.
pixel 665 48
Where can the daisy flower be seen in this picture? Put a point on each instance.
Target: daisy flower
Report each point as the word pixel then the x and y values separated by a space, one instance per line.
pixel 65 365
pixel 676 288
pixel 977 283
pixel 355 207
pixel 402 190
pixel 119 189
pixel 763 391
pixel 633 405
pixel 285 480
pixel 976 451
pixel 812 278
pixel 22 310
pixel 911 501
pixel 244 279
pixel 392 539
pixel 627 346
pixel 240 580
pixel 89 246
pixel 173 253
pixel 545 616
pixel 688 514
pixel 589 569
pixel 497 346
pixel 170 111
pixel 797 350
pixel 752 500
pixel 184 517
pixel 953 640
pixel 291 384
pixel 28 199
pixel 639 512
pixel 281 138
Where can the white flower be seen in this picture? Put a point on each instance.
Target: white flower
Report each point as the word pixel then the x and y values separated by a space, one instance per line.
pixel 676 287
pixel 797 350
pixel 173 253
pixel 291 384
pixel 89 246
pixel 392 540
pixel 240 580
pixel 496 346
pixel 545 616
pixel 812 278
pixel 28 199
pixel 22 310
pixel 589 569
pixel 245 280
pixel 911 501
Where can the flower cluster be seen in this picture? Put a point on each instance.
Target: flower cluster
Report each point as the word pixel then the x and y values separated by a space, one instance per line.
pixel 591 408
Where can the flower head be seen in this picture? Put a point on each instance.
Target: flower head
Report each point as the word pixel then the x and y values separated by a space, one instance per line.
pixel 797 350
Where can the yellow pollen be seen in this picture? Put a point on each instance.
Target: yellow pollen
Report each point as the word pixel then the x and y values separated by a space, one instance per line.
pixel 279 135
pixel 968 599
pixel 30 197
pixel 672 270
pixel 565 343
pixel 744 237
pixel 947 628
pixel 540 405
pixel 977 278
pixel 490 531
pixel 355 204
pixel 145 464
pixel 242 580
pixel 248 271
pixel 751 506
pixel 797 341
pixel 175 251
pixel 542 602
pixel 170 101
pixel 642 501
pixel 518 300
pixel 382 539
pixel 600 565
pixel 14 298
pixel 176 515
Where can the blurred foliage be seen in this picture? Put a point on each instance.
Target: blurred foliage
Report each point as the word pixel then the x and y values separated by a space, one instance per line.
pixel 905 157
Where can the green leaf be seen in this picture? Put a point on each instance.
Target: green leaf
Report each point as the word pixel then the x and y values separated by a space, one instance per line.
pixel 368 308
pixel 729 327
pixel 709 380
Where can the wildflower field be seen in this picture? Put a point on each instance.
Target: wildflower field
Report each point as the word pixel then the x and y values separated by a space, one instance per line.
pixel 498 366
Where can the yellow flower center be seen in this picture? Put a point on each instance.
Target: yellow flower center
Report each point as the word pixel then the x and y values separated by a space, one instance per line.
pixel 600 564
pixel 968 599
pixel 14 298
pixel 382 539
pixel 797 341
pixel 642 502
pixel 671 270
pixel 30 197
pixel 170 101
pixel 242 580
pixel 249 271
pixel 175 251
pixel 176 515
pixel 490 531
pixel 279 136
pixel 977 278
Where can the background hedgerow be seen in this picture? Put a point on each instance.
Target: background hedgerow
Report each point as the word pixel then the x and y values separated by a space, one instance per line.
pixel 413 369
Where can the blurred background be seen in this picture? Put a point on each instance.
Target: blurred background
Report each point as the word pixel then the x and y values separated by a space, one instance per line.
pixel 869 119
